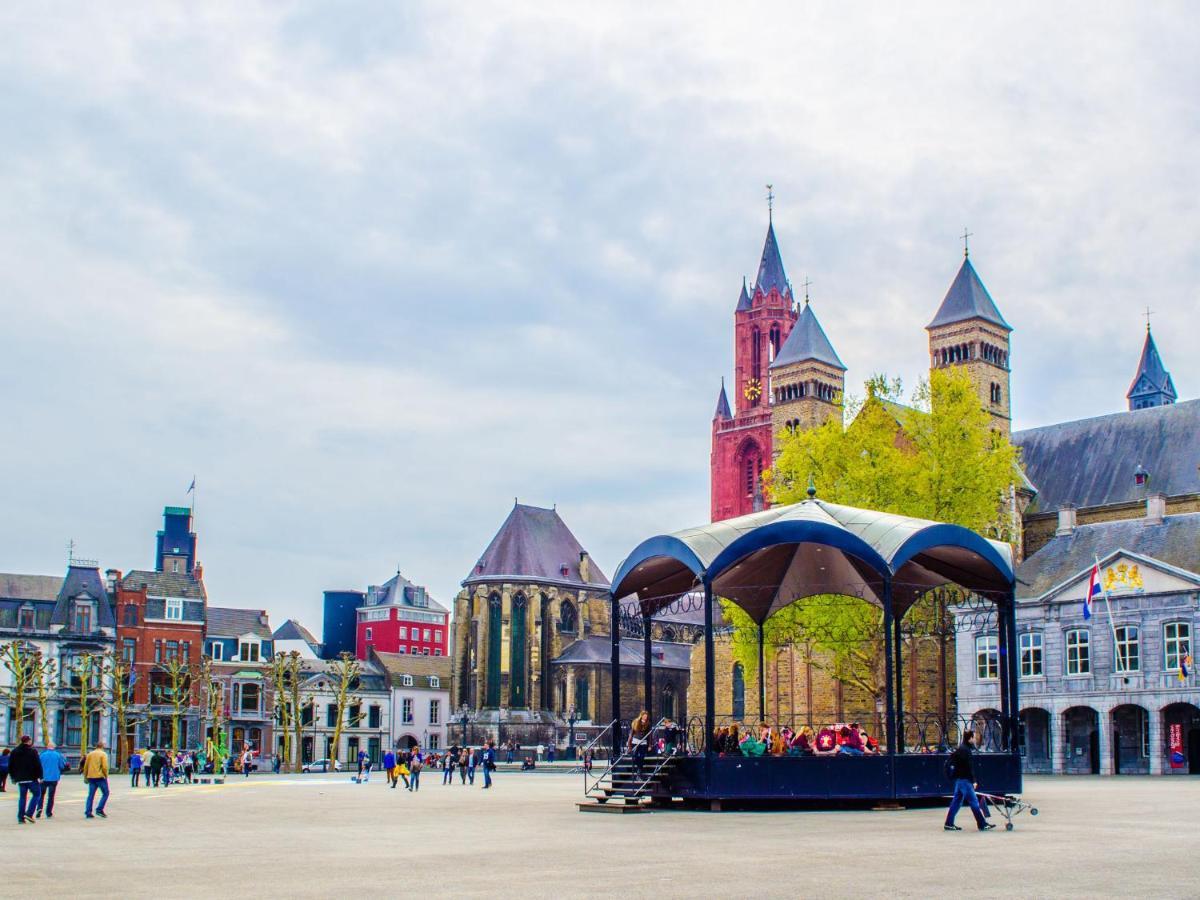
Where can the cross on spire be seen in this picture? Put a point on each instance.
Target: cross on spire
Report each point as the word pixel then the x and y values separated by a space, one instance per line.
pixel 1149 313
pixel 770 202
pixel 807 284
pixel 966 235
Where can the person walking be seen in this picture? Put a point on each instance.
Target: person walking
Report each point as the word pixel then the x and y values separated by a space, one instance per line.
pixel 135 768
pixel 489 763
pixel 4 770
pixel 189 765
pixel 156 766
pixel 95 773
pixel 472 762
pixel 247 762
pixel 25 769
pixel 639 738
pixel 415 768
pixel 389 767
pixel 960 768
pixel 53 765
pixel 447 765
pixel 362 764
pixel 403 758
pixel 463 757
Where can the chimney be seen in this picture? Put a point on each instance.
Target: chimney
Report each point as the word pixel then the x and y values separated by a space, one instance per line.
pixel 1156 508
pixel 1066 519
pixel 585 566
pixel 112 578
pixel 198 572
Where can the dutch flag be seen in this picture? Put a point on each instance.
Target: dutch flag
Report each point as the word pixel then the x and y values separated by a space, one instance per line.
pixel 1092 591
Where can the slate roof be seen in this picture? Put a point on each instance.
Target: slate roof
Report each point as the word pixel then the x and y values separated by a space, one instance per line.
pixel 967 299
pixel 1091 462
pixel 165 584
pixel 598 651
pixel 398 591
pixel 1152 376
pixel 743 303
pixel 807 341
pixel 534 544
pixel 723 411
pixel 83 580
pixel 291 630
pixel 372 677
pixel 421 668
pixel 1176 542
pixel 770 268
pixel 29 587
pixel 224 621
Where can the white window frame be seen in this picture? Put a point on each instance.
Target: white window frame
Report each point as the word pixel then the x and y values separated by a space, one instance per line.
pixel 1033 644
pixel 216 651
pixel 1127 648
pixel 173 610
pixel 255 646
pixel 428 634
pixel 1083 652
pixel 435 681
pixel 987 657
pixel 368 636
pixel 406 680
pixel 402 650
pixel 435 712
pixel 404 632
pixel 1178 647
pixel 406 711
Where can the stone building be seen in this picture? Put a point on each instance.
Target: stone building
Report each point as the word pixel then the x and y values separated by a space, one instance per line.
pixel 420 704
pixel 1114 693
pixel 533 593
pixel 241 646
pixel 366 722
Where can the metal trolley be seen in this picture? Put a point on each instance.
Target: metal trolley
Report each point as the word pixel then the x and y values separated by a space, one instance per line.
pixel 1008 805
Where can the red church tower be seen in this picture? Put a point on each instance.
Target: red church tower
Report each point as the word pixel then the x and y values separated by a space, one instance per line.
pixel 741 438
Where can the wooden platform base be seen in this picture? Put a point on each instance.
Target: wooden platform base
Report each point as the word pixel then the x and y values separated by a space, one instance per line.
pixel 611 807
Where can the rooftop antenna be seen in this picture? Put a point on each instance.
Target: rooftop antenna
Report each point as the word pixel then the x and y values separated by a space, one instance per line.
pixel 770 202
pixel 70 551
pixel 966 236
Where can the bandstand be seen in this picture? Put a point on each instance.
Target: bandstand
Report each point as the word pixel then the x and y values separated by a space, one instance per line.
pixel 766 561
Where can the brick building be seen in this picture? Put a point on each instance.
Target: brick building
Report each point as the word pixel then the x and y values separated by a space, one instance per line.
pixel 240 644
pixel 400 617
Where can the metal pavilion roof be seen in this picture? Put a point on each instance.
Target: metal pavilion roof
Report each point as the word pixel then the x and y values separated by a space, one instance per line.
pixel 768 560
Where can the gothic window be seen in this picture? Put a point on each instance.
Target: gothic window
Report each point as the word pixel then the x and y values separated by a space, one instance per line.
pixel 749 472
pixel 516 689
pixel 567 617
pixel 739 692
pixel 581 698
pixel 494 625
pixel 774 341
pixel 756 354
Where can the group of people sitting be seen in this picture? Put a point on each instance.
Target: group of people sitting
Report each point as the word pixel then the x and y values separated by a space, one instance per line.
pixel 848 740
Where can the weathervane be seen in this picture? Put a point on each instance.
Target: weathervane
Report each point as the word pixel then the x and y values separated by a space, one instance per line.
pixel 807 284
pixel 1149 313
pixel 770 202
pixel 966 246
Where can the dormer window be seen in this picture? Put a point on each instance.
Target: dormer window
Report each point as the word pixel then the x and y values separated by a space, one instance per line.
pixel 1141 477
pixel 434 681
pixel 26 618
pixel 81 617
pixel 406 680
pixel 174 609
pixel 249 651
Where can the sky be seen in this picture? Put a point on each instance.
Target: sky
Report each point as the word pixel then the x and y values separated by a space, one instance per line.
pixel 370 271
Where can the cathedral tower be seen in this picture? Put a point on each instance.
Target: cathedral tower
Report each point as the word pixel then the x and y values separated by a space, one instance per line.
pixel 807 377
pixel 1152 385
pixel 969 331
pixel 741 436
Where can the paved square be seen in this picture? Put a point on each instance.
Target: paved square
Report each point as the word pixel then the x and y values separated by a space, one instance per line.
pixel 323 836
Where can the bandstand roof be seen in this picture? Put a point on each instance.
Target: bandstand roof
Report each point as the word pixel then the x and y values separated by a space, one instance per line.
pixel 768 560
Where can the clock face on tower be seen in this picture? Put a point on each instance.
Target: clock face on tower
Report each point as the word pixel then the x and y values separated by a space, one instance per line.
pixel 753 390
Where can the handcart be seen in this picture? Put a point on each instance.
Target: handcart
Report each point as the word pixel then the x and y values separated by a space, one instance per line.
pixel 1008 806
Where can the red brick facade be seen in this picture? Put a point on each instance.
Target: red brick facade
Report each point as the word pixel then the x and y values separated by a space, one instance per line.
pixel 152 641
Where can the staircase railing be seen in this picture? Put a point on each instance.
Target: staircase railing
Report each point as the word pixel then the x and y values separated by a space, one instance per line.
pixel 619 758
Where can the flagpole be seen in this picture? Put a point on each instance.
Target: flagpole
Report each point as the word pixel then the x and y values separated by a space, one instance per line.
pixel 1111 624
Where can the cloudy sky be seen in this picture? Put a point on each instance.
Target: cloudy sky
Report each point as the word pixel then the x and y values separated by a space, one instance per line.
pixel 372 270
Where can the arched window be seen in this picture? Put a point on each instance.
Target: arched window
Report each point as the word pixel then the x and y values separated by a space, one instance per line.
pixel 739 692
pixel 517 653
pixel 562 695
pixel 494 628
pixel 749 474
pixel 756 354
pixel 582 706
pixel 668 635
pixel 568 619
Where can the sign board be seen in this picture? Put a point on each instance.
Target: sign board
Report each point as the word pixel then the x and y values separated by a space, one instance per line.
pixel 1175 746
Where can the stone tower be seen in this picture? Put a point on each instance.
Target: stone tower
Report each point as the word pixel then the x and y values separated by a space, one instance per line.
pixel 969 331
pixel 741 436
pixel 1152 385
pixel 807 377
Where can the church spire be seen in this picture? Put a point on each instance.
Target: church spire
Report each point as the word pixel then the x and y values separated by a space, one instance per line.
pixel 1152 385
pixel 722 405
pixel 743 298
pixel 770 267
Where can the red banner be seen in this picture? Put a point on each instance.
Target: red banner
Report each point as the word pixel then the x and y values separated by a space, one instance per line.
pixel 1175 746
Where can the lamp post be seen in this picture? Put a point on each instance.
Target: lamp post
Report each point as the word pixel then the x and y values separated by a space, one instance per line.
pixel 572 718
pixel 464 718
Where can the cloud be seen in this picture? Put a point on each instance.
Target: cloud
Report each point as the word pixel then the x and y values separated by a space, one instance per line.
pixel 371 273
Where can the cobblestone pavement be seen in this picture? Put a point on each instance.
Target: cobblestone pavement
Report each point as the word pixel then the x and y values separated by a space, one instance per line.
pixel 323 836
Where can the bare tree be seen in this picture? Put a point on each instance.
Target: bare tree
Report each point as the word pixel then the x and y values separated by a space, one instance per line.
pixel 285 675
pixel 22 663
pixel 345 672
pixel 46 684
pixel 177 691
pixel 120 692
pixel 214 708
pixel 86 669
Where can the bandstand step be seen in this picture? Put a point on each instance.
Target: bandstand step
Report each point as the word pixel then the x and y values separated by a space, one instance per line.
pixel 618 808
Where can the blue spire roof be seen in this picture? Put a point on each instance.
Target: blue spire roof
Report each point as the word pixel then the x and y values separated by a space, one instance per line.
pixel 743 298
pixel 807 341
pixel 968 299
pixel 722 404
pixel 770 269
pixel 1152 385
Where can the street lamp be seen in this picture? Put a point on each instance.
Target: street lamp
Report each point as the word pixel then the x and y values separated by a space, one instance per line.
pixel 464 718
pixel 572 718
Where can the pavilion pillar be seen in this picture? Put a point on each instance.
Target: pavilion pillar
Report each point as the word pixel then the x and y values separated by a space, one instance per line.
pixel 647 667
pixel 899 649
pixel 710 688
pixel 615 679
pixel 762 677
pixel 889 665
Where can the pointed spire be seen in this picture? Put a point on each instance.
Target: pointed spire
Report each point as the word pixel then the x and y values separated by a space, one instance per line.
pixel 807 341
pixel 722 404
pixel 1152 385
pixel 770 268
pixel 743 298
pixel 967 299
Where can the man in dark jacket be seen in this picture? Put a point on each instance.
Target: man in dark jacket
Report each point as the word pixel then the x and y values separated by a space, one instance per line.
pixel 963 773
pixel 25 768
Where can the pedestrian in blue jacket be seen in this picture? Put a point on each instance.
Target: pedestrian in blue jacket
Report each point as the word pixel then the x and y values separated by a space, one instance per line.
pixel 53 765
